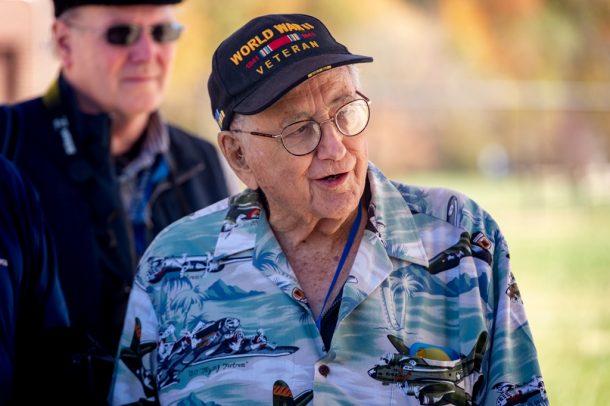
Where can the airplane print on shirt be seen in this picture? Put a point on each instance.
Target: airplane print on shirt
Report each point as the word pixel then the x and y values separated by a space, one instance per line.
pixel 432 374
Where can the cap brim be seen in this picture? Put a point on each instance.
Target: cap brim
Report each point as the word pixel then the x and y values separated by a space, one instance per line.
pixel 269 91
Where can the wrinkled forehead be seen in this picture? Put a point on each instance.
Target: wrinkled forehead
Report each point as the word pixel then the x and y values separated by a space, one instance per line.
pixel 330 87
pixel 328 84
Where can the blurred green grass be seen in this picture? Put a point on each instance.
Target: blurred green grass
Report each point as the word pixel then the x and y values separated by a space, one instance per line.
pixel 560 252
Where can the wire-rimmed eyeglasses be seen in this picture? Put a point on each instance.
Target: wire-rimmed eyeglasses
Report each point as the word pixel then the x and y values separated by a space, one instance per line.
pixel 303 137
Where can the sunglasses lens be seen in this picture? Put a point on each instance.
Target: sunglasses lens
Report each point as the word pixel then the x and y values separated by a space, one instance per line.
pixel 166 32
pixel 123 34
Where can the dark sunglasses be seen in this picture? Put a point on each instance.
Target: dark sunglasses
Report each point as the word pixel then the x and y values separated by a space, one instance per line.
pixel 128 34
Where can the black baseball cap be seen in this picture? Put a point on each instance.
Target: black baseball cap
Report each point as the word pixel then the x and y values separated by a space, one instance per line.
pixel 266 58
pixel 63 5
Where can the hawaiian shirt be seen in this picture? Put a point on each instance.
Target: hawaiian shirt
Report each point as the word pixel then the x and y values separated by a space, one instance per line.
pixel 430 313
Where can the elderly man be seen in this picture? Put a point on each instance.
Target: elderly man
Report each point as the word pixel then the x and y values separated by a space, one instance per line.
pixel 110 171
pixel 363 290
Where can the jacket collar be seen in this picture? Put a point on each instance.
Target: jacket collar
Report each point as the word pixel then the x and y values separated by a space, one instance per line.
pixel 60 100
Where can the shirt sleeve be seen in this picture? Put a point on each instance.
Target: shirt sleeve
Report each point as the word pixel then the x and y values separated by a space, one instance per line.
pixel 134 379
pixel 513 371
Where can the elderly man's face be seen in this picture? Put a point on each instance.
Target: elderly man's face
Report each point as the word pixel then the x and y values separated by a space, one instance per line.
pixel 326 184
pixel 125 80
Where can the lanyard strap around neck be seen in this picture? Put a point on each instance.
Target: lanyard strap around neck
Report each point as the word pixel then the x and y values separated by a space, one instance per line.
pixel 346 250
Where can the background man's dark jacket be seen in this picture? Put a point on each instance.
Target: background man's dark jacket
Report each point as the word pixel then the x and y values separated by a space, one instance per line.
pixel 82 204
pixel 31 302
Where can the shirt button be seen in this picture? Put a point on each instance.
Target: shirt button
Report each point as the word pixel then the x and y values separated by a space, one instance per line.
pixel 324 370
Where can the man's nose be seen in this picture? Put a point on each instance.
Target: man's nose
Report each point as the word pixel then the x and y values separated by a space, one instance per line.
pixel 143 48
pixel 331 144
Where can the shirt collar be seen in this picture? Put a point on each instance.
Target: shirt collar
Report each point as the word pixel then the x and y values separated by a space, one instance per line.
pixel 390 218
pixel 156 142
pixel 239 228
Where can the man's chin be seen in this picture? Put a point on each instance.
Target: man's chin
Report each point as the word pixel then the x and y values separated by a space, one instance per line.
pixel 138 106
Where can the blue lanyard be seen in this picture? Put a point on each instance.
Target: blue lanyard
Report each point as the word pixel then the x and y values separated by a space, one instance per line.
pixel 346 249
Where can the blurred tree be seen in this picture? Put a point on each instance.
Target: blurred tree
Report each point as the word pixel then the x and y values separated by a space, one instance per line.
pixel 450 76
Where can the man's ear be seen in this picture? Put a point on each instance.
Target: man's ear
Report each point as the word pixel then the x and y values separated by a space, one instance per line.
pixel 234 152
pixel 62 43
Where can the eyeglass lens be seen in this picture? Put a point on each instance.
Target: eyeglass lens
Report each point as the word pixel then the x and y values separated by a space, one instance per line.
pixel 127 34
pixel 303 137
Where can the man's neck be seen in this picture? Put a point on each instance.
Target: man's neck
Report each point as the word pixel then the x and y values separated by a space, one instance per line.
pixel 295 232
pixel 125 132
pixel 314 255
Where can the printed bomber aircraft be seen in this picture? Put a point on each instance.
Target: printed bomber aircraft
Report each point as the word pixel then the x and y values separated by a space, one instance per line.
pixel 432 382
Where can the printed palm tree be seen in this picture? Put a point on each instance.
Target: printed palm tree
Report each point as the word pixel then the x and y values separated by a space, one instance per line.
pixel 185 300
pixel 396 291
pixel 265 261
pixel 417 198
pixel 171 287
pixel 283 279
pixel 304 314
pixel 395 250
pixel 403 285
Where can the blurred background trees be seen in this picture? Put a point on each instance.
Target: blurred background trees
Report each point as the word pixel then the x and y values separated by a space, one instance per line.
pixel 500 86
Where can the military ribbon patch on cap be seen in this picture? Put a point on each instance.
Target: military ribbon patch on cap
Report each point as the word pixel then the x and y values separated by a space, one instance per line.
pixel 286 39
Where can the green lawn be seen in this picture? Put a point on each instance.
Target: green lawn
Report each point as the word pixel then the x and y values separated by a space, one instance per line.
pixel 560 252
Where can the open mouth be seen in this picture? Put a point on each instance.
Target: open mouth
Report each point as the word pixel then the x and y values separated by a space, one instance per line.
pixel 331 179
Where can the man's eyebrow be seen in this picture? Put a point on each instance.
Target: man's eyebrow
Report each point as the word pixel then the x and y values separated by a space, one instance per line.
pixel 340 100
pixel 344 95
pixel 295 116
pixel 299 115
